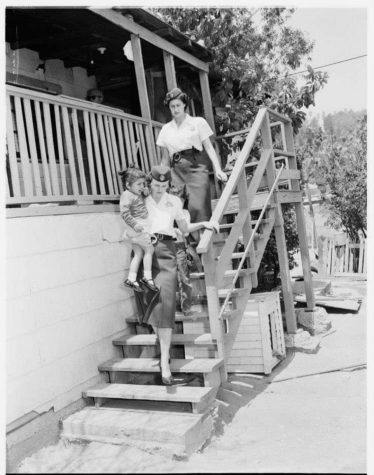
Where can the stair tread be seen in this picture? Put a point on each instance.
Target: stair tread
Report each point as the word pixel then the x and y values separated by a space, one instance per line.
pixel 228 273
pixel 235 291
pixel 253 223
pixel 236 255
pixel 150 392
pixel 177 338
pixel 196 365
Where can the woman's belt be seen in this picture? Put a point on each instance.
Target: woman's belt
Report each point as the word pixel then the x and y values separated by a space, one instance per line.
pixel 164 237
pixel 188 153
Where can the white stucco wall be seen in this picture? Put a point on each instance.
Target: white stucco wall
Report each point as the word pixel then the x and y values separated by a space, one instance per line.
pixel 65 304
pixel 74 81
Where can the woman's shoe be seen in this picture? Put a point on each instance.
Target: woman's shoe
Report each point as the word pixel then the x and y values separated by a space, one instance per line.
pixel 172 381
pixel 167 381
pixel 150 284
pixel 133 285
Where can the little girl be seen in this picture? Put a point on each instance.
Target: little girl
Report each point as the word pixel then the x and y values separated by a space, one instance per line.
pixel 135 215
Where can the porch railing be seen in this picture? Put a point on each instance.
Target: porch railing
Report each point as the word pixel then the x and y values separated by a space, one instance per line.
pixel 61 149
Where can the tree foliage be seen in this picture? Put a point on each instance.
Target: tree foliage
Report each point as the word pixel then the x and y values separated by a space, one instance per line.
pixel 335 156
pixel 254 52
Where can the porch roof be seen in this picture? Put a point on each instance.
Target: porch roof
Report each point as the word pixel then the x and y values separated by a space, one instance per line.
pixel 75 34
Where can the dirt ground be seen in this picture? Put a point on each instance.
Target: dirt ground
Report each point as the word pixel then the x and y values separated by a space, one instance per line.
pixel 309 416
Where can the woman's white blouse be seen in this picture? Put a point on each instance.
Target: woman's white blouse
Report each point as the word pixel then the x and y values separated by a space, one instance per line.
pixel 191 133
pixel 163 213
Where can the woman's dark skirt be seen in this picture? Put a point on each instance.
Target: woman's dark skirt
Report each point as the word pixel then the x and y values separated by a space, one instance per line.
pixel 158 308
pixel 194 172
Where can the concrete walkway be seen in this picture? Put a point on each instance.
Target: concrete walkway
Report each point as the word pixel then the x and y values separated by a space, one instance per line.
pixel 308 416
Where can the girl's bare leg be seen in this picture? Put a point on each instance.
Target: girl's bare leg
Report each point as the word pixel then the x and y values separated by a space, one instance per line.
pixel 147 262
pixel 164 336
pixel 135 263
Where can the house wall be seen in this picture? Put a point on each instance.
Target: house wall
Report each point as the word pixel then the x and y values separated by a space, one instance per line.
pixel 74 81
pixel 65 304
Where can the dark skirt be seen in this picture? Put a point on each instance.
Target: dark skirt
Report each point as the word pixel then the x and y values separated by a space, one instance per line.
pixel 158 308
pixel 194 172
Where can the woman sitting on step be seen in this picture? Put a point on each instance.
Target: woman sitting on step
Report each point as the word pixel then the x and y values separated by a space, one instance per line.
pixel 163 209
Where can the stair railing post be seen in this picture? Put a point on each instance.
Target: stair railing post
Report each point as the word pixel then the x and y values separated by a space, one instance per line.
pixel 247 227
pixel 216 326
pixel 300 223
pixel 279 232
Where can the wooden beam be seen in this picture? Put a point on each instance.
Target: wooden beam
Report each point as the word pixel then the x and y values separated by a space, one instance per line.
pixel 143 93
pixel 147 35
pixel 279 233
pixel 207 101
pixel 171 79
pixel 300 223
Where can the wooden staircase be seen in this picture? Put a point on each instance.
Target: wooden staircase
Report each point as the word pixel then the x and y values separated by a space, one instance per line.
pixel 247 210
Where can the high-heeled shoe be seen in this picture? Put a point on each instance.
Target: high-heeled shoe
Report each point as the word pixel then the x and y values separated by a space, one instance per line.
pixel 149 283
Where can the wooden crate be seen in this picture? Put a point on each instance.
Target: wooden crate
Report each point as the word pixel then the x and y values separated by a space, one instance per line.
pixel 259 343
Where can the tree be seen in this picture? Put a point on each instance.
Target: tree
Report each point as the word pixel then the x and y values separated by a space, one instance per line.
pixel 346 175
pixel 254 52
pixel 336 157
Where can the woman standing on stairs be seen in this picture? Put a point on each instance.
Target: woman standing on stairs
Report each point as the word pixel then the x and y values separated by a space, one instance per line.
pixel 163 210
pixel 185 140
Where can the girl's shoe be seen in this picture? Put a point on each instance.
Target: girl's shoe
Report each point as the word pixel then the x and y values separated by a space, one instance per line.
pixel 133 285
pixel 150 284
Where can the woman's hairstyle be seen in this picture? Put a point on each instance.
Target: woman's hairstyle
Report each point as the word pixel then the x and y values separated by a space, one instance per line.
pixel 176 93
pixel 130 175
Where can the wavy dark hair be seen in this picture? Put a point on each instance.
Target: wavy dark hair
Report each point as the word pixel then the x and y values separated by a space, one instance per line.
pixel 176 94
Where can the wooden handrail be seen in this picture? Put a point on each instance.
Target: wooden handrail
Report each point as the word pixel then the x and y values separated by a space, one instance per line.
pixel 81 104
pixel 63 149
pixel 232 181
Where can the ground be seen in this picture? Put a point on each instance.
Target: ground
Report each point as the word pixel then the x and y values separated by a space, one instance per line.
pixel 308 416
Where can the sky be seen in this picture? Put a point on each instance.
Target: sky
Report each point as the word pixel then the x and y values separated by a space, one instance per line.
pixel 339 34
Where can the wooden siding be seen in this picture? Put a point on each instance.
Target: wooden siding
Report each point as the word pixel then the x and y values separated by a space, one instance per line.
pixel 65 303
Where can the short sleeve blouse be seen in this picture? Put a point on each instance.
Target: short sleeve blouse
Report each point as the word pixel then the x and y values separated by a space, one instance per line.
pixel 163 214
pixel 191 133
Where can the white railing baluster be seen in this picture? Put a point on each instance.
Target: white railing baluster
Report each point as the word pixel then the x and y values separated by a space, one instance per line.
pixel 13 165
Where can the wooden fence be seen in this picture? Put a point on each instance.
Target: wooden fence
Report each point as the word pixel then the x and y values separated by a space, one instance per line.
pixel 61 149
pixel 338 255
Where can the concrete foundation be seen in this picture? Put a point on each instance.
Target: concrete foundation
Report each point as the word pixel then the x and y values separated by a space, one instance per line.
pixel 179 434
pixel 315 321
pixel 302 341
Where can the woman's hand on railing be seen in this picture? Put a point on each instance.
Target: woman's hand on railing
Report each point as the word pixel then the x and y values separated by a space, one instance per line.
pixel 211 225
pixel 221 176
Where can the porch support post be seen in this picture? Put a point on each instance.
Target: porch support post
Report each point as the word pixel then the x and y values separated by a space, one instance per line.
pixel 300 223
pixel 143 94
pixel 171 78
pixel 279 233
pixel 207 100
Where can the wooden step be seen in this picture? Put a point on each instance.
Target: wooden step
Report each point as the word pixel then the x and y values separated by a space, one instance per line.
pixel 152 365
pixel 236 291
pixel 239 255
pixel 209 368
pixel 257 204
pixel 228 273
pixel 253 223
pixel 278 152
pixel 176 339
pixel 176 433
pixel 198 396
pixel 195 316
pixel 198 312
